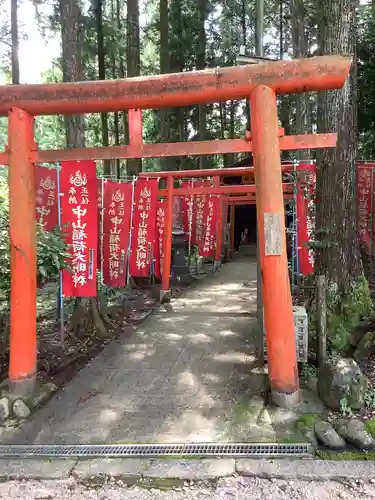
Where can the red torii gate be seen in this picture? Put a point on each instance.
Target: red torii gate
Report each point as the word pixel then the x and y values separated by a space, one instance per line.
pixel 259 84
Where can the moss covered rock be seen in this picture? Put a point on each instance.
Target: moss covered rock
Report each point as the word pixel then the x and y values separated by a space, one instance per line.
pixel 366 347
pixel 342 379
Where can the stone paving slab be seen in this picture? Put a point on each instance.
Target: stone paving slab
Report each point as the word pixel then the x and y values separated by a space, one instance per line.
pixel 307 469
pixel 35 469
pixel 206 469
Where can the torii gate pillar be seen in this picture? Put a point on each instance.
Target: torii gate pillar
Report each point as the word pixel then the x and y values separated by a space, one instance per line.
pixel 22 235
pixel 277 299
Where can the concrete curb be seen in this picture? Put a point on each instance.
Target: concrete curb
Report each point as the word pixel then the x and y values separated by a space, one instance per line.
pixel 132 471
pixel 307 469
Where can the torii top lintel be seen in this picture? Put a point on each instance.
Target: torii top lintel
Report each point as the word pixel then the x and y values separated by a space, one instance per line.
pixel 178 89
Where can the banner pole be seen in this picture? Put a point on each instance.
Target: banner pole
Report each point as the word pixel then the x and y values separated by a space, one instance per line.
pixel 62 329
pixel 130 234
pixel 101 239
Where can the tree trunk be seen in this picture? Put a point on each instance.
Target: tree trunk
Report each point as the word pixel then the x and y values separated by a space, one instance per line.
pixel 300 49
pixel 134 166
pixel 101 71
pixel 116 117
pixel 15 42
pixel 71 38
pixel 336 218
pixel 165 163
pixel 86 318
pixel 121 59
pixel 201 64
pixel 259 29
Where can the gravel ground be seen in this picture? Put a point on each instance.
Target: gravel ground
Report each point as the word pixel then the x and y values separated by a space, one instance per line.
pixel 238 488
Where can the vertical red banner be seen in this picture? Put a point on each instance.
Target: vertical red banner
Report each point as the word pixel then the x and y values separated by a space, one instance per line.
pixel 159 244
pixel 79 218
pixel 144 227
pixel 189 215
pixel 210 226
pixel 305 201
pixel 365 193
pixel 46 197
pixel 117 202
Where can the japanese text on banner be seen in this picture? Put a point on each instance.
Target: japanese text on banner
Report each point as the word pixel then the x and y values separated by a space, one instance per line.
pixel 159 245
pixel 143 230
pixel 80 216
pixel 116 227
pixel 201 206
pixel 46 197
pixel 189 214
pixel 365 196
pixel 210 222
pixel 305 206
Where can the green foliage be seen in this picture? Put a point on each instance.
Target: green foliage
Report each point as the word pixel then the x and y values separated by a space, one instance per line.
pixel 366 77
pixel 51 251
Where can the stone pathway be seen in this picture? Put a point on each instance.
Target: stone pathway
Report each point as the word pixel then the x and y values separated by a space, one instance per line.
pixel 188 373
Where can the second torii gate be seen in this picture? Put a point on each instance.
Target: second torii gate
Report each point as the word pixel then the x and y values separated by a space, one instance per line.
pixel 259 84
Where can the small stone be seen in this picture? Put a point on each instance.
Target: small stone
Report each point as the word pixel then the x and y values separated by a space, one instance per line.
pixel 372 481
pixel 20 409
pixel 327 435
pixel 355 433
pixel 4 409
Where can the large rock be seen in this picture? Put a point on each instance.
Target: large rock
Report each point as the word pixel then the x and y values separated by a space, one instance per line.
pixel 366 347
pixel 354 431
pixel 327 435
pixel 4 409
pixel 341 378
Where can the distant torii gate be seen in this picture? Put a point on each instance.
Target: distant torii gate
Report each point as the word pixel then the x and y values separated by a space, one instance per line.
pixel 259 84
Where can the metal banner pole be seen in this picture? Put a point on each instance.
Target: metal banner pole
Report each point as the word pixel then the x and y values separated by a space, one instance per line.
pixel 130 234
pixel 102 233
pixel 59 194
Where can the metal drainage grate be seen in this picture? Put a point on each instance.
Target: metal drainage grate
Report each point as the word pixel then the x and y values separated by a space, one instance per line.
pixel 159 450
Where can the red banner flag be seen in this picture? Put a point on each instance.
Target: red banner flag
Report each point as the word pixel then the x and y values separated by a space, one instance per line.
pixel 365 194
pixel 210 223
pixel 159 245
pixel 144 226
pixel 305 201
pixel 46 197
pixel 116 228
pixel 188 212
pixel 80 216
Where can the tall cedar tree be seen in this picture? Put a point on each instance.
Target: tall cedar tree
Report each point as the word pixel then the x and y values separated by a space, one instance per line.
pixel 338 256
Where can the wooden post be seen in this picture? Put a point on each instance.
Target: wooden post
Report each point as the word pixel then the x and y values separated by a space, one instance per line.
pixel 232 224
pixel 135 127
pixel 321 313
pixel 219 228
pixel 277 299
pixel 22 235
pixel 165 292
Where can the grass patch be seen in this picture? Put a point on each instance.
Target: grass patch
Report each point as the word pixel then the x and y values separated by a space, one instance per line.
pixel 370 427
pixel 345 455
pixel 161 483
